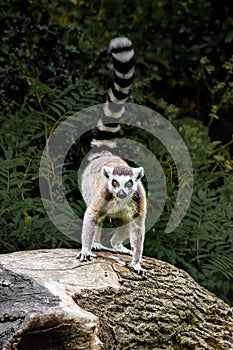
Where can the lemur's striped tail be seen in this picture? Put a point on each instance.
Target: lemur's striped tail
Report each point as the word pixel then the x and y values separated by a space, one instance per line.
pixel 121 78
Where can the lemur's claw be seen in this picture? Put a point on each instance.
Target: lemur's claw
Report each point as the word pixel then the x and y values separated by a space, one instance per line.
pixel 137 268
pixel 143 273
pixel 85 256
pixel 96 247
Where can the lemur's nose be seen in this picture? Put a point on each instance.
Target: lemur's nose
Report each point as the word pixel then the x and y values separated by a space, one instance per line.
pixel 121 194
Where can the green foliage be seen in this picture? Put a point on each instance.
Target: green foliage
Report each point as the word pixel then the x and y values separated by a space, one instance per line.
pixel 53 58
pixel 202 244
pixel 36 48
pixel 23 221
pixel 221 91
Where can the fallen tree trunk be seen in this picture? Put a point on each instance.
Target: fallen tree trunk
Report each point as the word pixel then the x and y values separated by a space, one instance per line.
pixel 49 300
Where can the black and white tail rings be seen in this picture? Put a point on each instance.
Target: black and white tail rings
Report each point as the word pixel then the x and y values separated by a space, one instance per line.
pixel 121 71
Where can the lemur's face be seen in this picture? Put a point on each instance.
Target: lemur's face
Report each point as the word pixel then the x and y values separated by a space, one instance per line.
pixel 122 181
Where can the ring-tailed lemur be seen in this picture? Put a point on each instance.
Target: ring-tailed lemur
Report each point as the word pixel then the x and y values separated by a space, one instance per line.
pixel 111 187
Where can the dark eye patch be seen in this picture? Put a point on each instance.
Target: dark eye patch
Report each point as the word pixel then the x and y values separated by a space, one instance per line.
pixel 115 183
pixel 129 184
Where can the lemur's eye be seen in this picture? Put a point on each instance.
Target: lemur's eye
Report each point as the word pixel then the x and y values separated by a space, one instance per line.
pixel 114 183
pixel 129 184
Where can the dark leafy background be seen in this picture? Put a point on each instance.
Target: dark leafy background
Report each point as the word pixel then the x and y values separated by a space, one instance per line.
pixel 53 63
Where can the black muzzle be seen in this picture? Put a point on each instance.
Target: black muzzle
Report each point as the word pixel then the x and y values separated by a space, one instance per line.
pixel 121 194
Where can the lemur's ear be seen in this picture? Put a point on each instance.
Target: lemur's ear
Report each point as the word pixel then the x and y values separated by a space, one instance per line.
pixel 138 173
pixel 107 171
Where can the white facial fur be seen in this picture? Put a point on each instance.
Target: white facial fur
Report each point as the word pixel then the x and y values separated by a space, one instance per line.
pixel 122 185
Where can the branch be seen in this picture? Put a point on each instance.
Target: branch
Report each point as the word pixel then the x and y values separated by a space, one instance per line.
pixel 49 300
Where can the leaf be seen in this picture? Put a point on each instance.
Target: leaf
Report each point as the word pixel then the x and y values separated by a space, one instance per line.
pixel 229 37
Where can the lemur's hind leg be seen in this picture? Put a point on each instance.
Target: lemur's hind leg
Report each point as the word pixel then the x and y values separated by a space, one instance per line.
pixel 118 238
pixel 97 245
pixel 137 234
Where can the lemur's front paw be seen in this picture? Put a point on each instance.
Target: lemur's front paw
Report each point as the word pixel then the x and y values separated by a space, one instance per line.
pixel 85 256
pixel 137 268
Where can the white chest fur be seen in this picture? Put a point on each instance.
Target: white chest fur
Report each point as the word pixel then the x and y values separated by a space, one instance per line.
pixel 121 208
